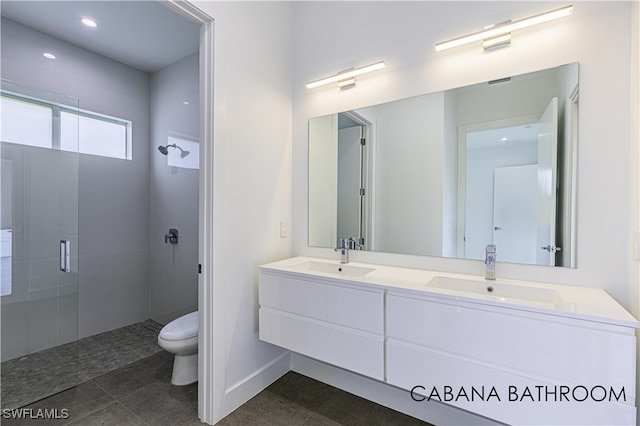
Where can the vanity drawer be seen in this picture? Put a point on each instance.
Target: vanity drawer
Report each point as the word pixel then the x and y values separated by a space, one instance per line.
pixel 353 350
pixel 341 305
pixel 566 353
pixel 498 393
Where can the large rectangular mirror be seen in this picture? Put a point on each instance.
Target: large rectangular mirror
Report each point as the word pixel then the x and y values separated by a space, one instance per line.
pixel 445 174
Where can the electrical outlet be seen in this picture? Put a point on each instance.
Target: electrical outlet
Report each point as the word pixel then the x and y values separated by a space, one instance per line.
pixel 284 229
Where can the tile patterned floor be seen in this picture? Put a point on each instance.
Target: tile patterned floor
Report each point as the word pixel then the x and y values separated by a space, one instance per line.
pixel 137 394
pixel 30 378
pixel 122 391
pixel 295 399
pixel 141 394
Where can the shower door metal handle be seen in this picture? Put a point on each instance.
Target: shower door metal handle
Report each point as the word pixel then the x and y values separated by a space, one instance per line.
pixel 65 255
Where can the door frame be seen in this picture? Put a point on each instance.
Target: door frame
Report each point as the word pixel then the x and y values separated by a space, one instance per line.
pixel 548 203
pixel 463 131
pixel 207 391
pixel 367 165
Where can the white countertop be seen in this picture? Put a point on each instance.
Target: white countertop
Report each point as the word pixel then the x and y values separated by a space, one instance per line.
pixel 577 302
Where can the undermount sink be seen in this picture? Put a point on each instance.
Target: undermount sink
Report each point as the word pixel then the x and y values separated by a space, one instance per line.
pixel 332 268
pixel 499 291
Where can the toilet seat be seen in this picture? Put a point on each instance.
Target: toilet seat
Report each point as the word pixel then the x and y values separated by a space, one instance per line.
pixel 181 328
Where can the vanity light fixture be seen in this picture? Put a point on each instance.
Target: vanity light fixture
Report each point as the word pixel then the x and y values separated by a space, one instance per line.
pixel 500 34
pixel 346 78
pixel 497 41
pixel 347 83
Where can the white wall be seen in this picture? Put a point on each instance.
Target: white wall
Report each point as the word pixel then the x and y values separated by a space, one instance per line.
pixel 323 183
pixel 486 103
pixel 173 283
pixel 449 178
pixel 413 67
pixel 408 175
pixel 634 159
pixel 251 192
pixel 114 209
pixel 597 35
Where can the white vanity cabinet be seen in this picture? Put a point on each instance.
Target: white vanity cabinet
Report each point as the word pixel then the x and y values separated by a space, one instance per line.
pixel 553 368
pixel 504 351
pixel 336 323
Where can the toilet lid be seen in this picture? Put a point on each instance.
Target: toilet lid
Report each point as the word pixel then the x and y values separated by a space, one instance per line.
pixel 181 328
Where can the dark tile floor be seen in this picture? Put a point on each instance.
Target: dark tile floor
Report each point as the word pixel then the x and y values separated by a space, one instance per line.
pixel 137 394
pixel 35 376
pixel 142 394
pixel 125 379
pixel 295 399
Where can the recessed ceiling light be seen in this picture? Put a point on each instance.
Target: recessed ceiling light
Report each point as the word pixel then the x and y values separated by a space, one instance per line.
pixel 185 103
pixel 49 55
pixel 504 139
pixel 89 22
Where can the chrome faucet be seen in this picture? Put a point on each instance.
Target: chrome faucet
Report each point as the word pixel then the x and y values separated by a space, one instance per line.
pixel 343 248
pixel 490 261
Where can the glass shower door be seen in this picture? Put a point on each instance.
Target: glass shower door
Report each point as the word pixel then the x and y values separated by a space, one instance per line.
pixel 39 247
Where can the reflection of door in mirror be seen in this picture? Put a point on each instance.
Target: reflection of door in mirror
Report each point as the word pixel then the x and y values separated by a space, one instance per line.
pixel 547 177
pixel 349 183
pixel 511 190
pixel 488 152
pixel 352 181
pixel 515 213
pixel 338 179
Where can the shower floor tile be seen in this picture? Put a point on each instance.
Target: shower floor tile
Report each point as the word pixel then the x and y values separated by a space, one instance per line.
pixel 38 375
pixel 109 351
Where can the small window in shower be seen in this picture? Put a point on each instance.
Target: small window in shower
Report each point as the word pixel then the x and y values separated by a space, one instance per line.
pixel 35 122
pixel 95 134
pixel 26 122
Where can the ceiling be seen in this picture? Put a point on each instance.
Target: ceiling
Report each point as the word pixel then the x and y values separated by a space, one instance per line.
pixel 143 34
pixel 503 136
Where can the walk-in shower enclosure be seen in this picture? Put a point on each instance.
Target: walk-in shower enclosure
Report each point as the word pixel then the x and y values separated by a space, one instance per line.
pixel 39 247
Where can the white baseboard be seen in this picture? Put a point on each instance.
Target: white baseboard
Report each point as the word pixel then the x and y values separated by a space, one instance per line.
pixel 391 397
pixel 249 387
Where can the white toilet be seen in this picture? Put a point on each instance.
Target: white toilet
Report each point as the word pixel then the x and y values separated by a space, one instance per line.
pixel 180 337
